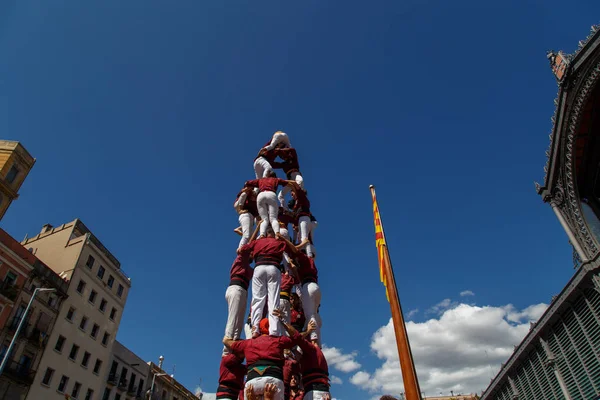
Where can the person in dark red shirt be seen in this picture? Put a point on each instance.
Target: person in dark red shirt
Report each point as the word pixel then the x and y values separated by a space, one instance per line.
pixel 308 276
pixel 298 320
pixel 280 139
pixel 291 367
pixel 264 357
pixel 266 201
pixel 266 156
pixel 291 168
pixel 231 377
pixel 268 255
pixel 237 293
pixel 245 205
pixel 315 371
pixel 296 393
pixel 303 218
pixel 288 280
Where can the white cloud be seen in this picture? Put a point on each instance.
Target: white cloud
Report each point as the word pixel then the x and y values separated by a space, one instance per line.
pixel 466 293
pixel 412 313
pixel 335 380
pixel 340 361
pixel 461 350
pixel 441 307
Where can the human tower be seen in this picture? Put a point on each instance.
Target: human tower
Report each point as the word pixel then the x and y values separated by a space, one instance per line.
pixel 282 348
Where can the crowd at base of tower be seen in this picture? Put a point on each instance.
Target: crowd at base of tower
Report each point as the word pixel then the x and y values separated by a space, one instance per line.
pixel 282 345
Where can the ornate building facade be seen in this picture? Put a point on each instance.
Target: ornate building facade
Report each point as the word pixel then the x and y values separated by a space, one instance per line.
pixel 560 356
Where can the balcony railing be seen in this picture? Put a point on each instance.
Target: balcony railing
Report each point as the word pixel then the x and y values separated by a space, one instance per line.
pixel 112 379
pixel 9 290
pixel 132 390
pixel 122 384
pixel 19 372
pixel 37 337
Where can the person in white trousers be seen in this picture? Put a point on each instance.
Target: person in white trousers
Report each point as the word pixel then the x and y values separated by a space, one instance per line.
pixel 304 218
pixel 246 207
pixel 279 139
pixel 237 294
pixel 266 201
pixel 291 167
pixel 266 281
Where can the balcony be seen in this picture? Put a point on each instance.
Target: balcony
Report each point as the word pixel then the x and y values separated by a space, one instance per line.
pixel 122 384
pixel 37 337
pixel 132 390
pixel 9 290
pixel 112 379
pixel 19 372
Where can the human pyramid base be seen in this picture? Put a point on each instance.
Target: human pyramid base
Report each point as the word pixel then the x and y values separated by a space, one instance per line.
pixel 282 348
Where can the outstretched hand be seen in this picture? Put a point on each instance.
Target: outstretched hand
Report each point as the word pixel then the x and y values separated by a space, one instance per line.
pixel 270 391
pixel 276 313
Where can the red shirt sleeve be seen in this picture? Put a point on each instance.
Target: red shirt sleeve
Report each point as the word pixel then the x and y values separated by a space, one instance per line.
pixel 252 183
pixel 281 182
pixel 239 346
pixel 286 342
pixel 300 341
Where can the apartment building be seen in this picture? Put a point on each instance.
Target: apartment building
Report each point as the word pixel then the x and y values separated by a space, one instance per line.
pixel 166 387
pixel 127 377
pixel 76 358
pixel 26 353
pixel 15 164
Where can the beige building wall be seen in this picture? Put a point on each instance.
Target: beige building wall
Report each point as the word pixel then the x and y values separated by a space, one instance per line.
pixel 97 293
pixel 15 164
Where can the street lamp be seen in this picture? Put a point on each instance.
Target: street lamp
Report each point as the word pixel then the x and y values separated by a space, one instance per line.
pixel 160 363
pixel 14 339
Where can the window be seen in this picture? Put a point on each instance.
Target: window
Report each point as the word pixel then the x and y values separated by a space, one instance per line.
pixel 86 359
pixel 120 290
pixel 74 351
pixel 123 378
pixel 10 278
pixel 164 395
pixel 94 332
pixel 52 300
pixel 89 394
pixel 103 305
pixel 12 174
pixel 83 323
pixel 97 366
pixel 106 394
pixel 33 287
pixel 90 262
pixel 48 376
pixel 113 313
pixel 70 314
pixel 60 342
pixel 80 286
pixel 111 281
pixel 92 297
pixel 131 382
pixel 75 391
pixel 117 396
pixel 63 384
pixel 105 338
pixel 100 273
pixel 140 388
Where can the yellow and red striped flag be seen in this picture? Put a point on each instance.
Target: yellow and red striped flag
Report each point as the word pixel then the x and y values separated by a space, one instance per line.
pixel 382 251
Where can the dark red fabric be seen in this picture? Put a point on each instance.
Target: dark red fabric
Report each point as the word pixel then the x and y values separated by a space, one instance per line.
pixel 298 319
pixel 312 359
pixel 302 204
pixel 290 367
pixel 250 203
pixel 264 348
pixel 290 158
pixel 241 266
pixel 285 217
pixel 298 396
pixel 232 371
pixel 307 268
pixel 268 247
pixel 266 184
pixel 287 282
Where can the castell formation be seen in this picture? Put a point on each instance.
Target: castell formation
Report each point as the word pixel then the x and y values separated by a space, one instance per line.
pixel 280 357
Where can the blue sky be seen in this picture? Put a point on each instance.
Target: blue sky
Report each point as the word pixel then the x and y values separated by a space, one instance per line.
pixel 145 117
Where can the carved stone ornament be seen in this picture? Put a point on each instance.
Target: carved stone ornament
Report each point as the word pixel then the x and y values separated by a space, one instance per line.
pixel 571 198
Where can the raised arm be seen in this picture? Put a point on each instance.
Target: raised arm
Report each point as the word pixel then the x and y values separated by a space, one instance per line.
pixel 227 341
pixel 289 244
pixel 255 233
pixel 312 326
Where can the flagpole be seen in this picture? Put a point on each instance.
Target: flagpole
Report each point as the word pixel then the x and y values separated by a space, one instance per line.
pixel 407 365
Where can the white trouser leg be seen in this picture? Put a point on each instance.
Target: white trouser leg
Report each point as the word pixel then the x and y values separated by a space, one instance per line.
pixel 311 299
pixel 259 383
pixel 298 178
pixel 315 395
pixel 247 331
pixel 273 288
pixel 263 211
pixel 237 298
pixel 268 210
pixel 246 221
pixel 305 227
pixel 310 248
pixel 286 311
pixel 259 295
pixel 262 168
pixel 284 232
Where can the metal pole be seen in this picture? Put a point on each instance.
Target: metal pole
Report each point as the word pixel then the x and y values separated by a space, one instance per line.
pixel 14 339
pixel 569 232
